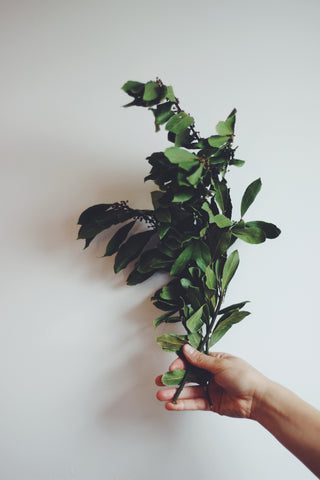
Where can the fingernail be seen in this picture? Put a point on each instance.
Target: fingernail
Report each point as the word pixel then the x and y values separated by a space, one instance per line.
pixel 188 349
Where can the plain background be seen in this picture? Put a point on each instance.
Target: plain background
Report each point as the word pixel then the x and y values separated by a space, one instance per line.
pixel 78 354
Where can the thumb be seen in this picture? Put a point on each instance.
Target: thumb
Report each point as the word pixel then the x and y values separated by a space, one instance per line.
pixel 201 360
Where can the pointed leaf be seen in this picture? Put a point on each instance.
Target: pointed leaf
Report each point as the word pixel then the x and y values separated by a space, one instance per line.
pixel 194 323
pixel 163 318
pixel 118 238
pixel 131 249
pixel 90 214
pixel 249 195
pixel 229 269
pixel 271 230
pixel 211 280
pixel 231 308
pixel 151 91
pixel 222 328
pixel 182 260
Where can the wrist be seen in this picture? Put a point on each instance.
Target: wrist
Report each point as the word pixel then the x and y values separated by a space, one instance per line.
pixel 262 393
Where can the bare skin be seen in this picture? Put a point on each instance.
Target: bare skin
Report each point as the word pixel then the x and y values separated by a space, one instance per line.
pixel 237 389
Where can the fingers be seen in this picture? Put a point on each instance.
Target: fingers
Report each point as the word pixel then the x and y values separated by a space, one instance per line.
pixel 191 398
pixel 207 362
pixel 187 393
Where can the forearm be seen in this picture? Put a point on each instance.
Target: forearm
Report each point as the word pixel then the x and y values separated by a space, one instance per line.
pixel 295 423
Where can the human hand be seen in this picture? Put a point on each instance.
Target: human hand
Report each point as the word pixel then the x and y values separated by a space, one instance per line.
pixel 234 387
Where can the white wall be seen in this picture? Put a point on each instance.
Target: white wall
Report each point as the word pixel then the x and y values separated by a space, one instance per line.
pixel 77 347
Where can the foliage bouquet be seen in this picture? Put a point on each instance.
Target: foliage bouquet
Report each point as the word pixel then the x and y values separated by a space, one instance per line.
pixel 190 228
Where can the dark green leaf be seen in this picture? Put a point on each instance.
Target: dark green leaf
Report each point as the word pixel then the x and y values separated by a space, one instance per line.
pixel 118 238
pixel 194 323
pixel 131 249
pixel 237 162
pixel 163 318
pixel 231 308
pixel 136 277
pixel 229 269
pixel 222 328
pixel 249 195
pixel 182 260
pixel 249 234
pixel 183 195
pixel 171 342
pixel 181 121
pixel 271 230
pixel 221 195
pixel 173 378
pixel 90 214
pixel 231 120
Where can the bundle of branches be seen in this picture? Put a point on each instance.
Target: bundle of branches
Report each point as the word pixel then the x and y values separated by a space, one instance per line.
pixel 190 228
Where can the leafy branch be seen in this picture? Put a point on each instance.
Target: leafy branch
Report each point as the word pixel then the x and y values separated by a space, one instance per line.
pixel 190 228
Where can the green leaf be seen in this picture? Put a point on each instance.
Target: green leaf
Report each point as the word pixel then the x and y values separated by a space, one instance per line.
pixel 181 157
pixel 217 140
pixel 222 328
pixel 151 91
pixel 194 323
pixel 133 88
pixel 170 95
pixel 202 255
pixel 222 221
pixel 229 269
pixel 163 318
pixel 211 280
pixel 231 120
pixel 231 308
pixel 249 195
pixel 131 249
pixel 182 260
pixel 271 230
pixel 249 234
pixel 171 342
pixel 163 112
pixel 207 209
pixel 173 378
pixel 118 238
pixel 224 129
pixel 236 162
pixel 183 195
pixel 194 339
pixel 181 121
pixel 194 178
pixel 221 195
